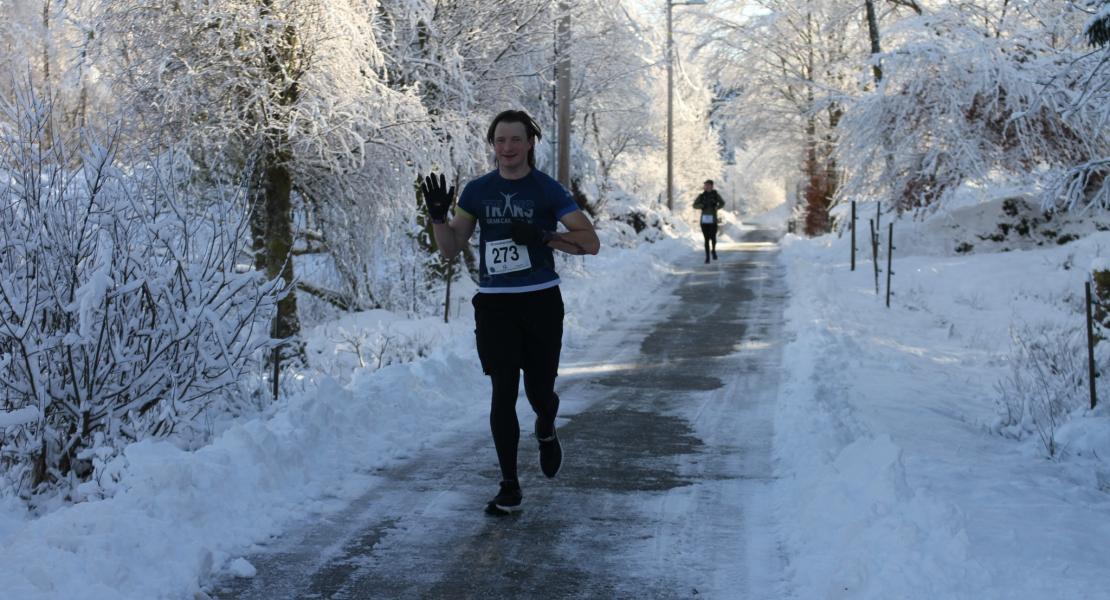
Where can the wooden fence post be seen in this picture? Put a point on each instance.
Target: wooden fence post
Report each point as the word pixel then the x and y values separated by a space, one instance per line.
pixel 275 358
pixel 853 235
pixel 447 299
pixel 1090 346
pixel 889 259
pixel 875 252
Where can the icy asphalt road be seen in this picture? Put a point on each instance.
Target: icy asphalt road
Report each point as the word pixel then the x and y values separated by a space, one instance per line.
pixel 664 493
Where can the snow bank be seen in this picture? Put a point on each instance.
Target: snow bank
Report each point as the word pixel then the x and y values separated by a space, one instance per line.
pixel 179 515
pixel 175 517
pixel 892 484
pixel 980 221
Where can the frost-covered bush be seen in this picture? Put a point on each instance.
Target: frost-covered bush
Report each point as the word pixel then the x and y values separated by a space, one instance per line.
pixel 1047 382
pixel 634 221
pixel 123 311
pixel 968 97
pixel 368 341
pixel 1098 30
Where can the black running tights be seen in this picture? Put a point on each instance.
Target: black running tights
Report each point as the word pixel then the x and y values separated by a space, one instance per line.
pixel 710 234
pixel 502 415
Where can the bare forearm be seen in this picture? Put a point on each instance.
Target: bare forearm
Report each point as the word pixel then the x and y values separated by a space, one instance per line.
pixel 447 239
pixel 576 242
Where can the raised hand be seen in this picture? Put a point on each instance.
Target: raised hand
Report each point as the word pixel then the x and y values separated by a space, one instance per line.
pixel 437 197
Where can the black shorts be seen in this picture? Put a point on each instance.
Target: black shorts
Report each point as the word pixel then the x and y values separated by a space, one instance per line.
pixel 709 229
pixel 519 331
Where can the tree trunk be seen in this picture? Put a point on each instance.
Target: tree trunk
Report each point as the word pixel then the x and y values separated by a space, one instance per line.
pixel 873 30
pixel 817 212
pixel 562 94
pixel 816 196
pixel 278 259
pixel 832 170
pixel 46 43
pixel 283 64
pixel 49 89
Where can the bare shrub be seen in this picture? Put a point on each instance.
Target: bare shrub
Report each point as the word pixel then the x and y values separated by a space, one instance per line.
pixel 123 311
pixel 1047 382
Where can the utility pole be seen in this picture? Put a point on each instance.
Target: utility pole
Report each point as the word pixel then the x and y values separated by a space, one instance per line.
pixel 670 97
pixel 562 92
pixel 670 110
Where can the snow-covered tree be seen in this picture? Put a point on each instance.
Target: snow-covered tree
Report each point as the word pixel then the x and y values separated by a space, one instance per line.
pixel 979 92
pixel 1087 84
pixel 1098 30
pixel 293 88
pixel 46 43
pixel 786 68
pixel 123 313
pixel 621 105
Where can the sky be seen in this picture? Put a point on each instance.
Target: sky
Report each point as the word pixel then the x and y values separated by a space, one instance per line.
pixel 896 475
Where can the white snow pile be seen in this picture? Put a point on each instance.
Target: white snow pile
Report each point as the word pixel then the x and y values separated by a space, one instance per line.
pixel 907 467
pixel 171 518
pixel 995 219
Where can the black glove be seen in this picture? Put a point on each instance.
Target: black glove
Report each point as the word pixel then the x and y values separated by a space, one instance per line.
pixel 437 197
pixel 527 234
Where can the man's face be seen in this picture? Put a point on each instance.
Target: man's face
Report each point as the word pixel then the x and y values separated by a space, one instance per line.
pixel 511 145
pixel 707 187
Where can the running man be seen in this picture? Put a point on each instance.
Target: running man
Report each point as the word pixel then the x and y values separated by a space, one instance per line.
pixel 518 310
pixel 709 201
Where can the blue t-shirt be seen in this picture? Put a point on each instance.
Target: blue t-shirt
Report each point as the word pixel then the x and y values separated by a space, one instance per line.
pixel 495 202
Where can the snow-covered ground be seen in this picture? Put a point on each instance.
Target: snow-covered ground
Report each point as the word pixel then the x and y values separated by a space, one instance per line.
pixel 897 478
pixel 176 517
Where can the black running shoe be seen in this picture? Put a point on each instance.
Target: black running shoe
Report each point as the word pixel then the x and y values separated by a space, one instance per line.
pixel 507 500
pixel 551 454
pixel 714 255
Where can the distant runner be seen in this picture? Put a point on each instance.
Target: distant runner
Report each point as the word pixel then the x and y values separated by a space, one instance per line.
pixel 709 201
pixel 518 310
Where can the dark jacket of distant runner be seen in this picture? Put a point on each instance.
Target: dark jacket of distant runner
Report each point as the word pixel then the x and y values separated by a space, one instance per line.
pixel 709 203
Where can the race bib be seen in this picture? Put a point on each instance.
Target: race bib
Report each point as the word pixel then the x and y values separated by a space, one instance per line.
pixel 708 219
pixel 504 256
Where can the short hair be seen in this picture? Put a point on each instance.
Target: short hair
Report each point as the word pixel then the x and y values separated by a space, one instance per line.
pixel 530 128
pixel 709 181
